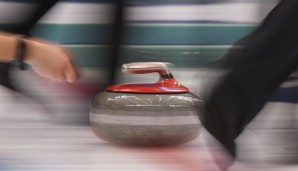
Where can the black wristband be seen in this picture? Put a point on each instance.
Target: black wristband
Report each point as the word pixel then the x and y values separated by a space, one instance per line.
pixel 21 53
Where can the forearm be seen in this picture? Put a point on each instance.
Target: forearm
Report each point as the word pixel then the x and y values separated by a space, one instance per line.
pixel 8 46
pixel 48 59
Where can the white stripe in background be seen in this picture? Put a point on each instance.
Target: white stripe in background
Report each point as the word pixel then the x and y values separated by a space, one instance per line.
pixel 85 13
pixel 248 12
pixel 61 13
pixel 79 13
pixel 99 13
pixel 144 120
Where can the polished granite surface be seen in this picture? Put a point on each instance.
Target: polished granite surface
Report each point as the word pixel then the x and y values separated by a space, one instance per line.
pixel 31 139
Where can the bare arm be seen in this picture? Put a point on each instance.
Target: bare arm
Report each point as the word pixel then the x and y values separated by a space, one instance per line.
pixel 47 59
pixel 8 46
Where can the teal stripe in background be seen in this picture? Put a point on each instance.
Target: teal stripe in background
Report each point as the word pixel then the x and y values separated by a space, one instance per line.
pixel 181 56
pixel 90 55
pixel 183 45
pixel 185 34
pixel 145 34
pixel 74 33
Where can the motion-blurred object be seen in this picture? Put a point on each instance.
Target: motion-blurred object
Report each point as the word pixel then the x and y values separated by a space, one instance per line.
pixel 158 114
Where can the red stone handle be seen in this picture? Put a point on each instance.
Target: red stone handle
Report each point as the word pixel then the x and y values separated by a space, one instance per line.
pixel 165 84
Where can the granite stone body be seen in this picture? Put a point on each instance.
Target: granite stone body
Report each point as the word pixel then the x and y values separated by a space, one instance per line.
pixel 146 119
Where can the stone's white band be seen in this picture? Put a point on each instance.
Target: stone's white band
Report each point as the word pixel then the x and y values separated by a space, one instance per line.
pixel 144 120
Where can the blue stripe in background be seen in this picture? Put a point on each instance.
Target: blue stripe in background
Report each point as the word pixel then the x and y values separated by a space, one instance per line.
pixel 89 1
pixel 17 1
pixel 286 95
pixel 145 2
pixel 178 2
pixel 186 22
pixel 81 1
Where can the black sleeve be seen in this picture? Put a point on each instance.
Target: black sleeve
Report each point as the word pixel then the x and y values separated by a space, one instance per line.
pixel 269 56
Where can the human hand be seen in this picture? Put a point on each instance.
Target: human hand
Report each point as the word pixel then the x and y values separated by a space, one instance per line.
pixel 50 60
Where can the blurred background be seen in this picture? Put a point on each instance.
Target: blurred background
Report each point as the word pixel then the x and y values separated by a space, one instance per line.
pixel 188 33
